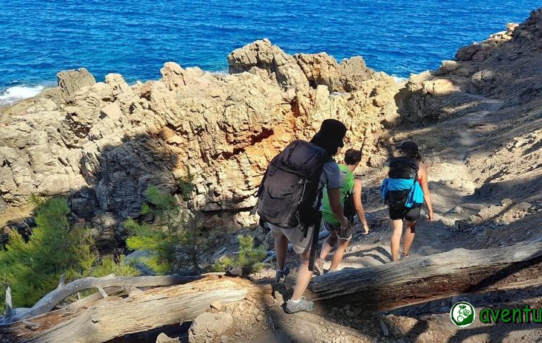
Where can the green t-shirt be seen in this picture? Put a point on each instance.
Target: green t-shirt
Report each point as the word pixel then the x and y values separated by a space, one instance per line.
pixel 347 185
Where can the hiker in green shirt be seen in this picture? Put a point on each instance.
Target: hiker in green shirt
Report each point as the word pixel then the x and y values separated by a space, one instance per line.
pixel 338 233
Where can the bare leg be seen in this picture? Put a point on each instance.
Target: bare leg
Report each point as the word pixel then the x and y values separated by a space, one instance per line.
pixel 339 253
pixel 329 243
pixel 409 237
pixel 303 276
pixel 396 238
pixel 281 248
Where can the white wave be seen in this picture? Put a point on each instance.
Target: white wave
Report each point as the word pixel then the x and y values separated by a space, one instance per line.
pixel 399 79
pixel 16 93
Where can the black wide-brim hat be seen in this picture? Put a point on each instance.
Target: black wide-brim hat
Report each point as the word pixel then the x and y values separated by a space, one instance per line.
pixel 408 146
pixel 332 130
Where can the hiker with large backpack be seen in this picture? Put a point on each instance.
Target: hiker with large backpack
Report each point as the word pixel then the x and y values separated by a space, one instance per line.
pixel 351 199
pixel 289 200
pixel 405 190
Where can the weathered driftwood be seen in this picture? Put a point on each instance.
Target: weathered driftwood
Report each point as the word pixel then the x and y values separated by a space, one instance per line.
pixel 9 305
pixel 433 277
pixel 377 288
pixel 141 311
pixel 86 301
pixel 49 301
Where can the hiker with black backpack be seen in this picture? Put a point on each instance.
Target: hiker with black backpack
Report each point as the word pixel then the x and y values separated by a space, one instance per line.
pixel 351 199
pixel 289 200
pixel 405 190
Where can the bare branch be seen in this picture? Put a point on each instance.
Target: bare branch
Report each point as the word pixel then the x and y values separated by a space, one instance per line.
pixel 49 301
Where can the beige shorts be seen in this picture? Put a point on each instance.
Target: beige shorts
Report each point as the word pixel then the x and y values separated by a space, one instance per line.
pixel 300 243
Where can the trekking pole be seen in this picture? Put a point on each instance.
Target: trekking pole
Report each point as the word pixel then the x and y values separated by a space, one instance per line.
pixel 314 243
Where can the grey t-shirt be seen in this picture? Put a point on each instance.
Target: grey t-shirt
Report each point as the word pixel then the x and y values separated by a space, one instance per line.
pixel 330 178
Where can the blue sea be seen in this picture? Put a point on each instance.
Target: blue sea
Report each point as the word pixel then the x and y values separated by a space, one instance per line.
pixel 135 37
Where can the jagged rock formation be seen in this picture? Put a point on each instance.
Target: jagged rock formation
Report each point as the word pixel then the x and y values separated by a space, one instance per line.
pixel 105 143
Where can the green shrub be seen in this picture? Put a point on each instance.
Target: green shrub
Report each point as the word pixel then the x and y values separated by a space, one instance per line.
pixel 186 187
pixel 33 268
pixel 172 240
pixel 249 258
pixel 223 264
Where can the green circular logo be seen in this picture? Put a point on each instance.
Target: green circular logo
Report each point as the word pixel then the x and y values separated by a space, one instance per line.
pixel 462 314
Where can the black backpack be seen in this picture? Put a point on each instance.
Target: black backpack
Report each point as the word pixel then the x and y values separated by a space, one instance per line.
pixel 401 168
pixel 287 195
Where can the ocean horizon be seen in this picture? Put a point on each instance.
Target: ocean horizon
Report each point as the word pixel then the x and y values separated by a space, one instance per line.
pixel 135 39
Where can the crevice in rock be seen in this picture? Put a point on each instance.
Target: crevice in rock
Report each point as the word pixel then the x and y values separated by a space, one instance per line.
pixel 266 133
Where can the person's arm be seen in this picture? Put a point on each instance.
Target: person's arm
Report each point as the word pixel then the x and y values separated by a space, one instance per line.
pixel 426 193
pixel 336 206
pixel 359 205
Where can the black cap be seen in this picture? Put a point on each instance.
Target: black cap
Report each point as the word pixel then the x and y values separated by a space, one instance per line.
pixel 408 146
pixel 333 130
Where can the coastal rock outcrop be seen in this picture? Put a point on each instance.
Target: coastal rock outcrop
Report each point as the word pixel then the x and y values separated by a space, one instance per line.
pixel 504 66
pixel 112 140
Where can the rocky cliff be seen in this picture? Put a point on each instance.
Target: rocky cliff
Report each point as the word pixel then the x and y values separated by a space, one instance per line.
pixel 104 143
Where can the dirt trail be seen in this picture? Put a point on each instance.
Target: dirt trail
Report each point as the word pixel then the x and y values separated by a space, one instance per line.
pixel 450 184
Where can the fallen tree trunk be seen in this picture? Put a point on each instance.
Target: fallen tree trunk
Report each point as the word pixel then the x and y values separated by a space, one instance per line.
pixel 433 277
pixel 141 311
pixel 53 298
pixel 378 288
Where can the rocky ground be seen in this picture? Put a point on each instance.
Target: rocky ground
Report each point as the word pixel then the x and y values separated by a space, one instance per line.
pixel 481 142
pixel 478 120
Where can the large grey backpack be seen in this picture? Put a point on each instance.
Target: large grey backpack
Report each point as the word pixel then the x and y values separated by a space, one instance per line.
pixel 288 193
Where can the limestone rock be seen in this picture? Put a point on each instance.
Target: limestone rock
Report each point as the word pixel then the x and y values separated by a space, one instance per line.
pixel 163 338
pixel 209 326
pixel 70 81
pixel 117 139
pixel 172 75
pixel 267 57
pixel 504 66
pixel 216 305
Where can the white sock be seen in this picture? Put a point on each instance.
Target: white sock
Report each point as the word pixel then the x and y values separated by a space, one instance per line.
pixel 295 301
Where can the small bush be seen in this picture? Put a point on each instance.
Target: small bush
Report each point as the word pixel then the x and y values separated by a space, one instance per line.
pixel 186 187
pixel 172 240
pixel 249 258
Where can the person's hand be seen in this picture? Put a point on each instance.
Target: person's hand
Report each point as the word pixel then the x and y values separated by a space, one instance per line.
pixel 431 216
pixel 365 229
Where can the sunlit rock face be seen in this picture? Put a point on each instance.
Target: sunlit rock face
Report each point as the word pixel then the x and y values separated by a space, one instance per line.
pixel 113 140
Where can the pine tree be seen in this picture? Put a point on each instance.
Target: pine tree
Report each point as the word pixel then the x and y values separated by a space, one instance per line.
pixel 33 268
pixel 249 258
pixel 173 240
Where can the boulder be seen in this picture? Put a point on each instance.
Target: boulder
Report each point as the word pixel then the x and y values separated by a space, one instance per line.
pixel 209 326
pixel 163 338
pixel 70 81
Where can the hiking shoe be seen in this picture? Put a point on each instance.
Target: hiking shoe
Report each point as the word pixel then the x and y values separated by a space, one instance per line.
pixel 282 274
pixel 302 305
pixel 318 266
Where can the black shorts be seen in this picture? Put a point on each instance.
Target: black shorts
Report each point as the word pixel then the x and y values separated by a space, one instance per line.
pixel 408 214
